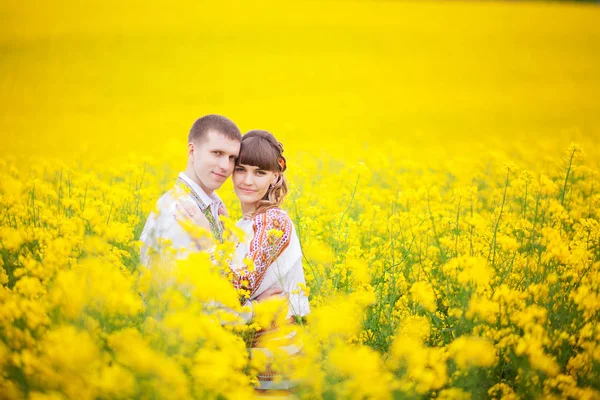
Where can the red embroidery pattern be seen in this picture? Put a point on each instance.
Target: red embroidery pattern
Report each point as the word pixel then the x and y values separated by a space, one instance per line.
pixel 265 248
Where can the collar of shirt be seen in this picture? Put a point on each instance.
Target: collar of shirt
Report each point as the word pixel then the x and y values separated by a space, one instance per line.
pixel 212 200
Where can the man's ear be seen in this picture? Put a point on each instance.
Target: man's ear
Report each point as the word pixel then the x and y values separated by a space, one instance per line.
pixel 190 149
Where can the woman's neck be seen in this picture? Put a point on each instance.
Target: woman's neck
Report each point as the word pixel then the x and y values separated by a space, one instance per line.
pixel 248 208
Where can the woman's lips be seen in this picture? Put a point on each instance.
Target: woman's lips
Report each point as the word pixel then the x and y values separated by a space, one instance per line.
pixel 247 191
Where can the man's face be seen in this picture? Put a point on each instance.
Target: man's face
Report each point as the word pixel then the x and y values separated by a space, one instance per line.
pixel 213 159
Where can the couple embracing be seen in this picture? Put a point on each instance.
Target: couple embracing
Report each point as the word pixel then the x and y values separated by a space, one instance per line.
pixel 216 150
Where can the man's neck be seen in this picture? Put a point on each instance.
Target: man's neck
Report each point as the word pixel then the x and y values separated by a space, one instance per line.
pixel 192 175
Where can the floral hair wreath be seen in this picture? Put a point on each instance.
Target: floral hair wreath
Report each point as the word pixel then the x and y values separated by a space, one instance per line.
pixel 281 160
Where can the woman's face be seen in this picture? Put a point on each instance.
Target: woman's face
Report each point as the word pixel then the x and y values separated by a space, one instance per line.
pixel 251 183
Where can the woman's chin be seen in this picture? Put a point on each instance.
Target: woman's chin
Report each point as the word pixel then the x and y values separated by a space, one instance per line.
pixel 244 198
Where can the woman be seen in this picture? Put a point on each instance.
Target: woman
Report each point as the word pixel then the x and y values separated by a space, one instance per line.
pixel 271 242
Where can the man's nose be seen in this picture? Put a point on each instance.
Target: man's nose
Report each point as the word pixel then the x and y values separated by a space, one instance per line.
pixel 225 163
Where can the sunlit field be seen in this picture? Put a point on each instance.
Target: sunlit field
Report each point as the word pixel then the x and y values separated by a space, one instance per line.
pixel 443 159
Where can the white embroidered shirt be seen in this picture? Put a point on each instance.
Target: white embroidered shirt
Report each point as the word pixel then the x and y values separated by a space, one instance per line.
pixel 161 228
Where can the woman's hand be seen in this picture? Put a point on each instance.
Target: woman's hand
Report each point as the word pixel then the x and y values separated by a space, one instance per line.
pixel 269 293
pixel 188 213
pixel 192 213
pixel 223 210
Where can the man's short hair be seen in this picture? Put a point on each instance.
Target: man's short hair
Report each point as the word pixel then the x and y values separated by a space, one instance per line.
pixel 214 122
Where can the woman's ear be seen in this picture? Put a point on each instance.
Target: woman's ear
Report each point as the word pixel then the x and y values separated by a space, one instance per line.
pixel 275 178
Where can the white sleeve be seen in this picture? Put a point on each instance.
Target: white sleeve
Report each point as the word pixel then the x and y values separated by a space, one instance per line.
pixel 279 273
pixel 247 316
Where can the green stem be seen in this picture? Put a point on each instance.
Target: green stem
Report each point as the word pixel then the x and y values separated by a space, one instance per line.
pixel 564 190
pixel 437 239
pixel 456 230
pixel 493 246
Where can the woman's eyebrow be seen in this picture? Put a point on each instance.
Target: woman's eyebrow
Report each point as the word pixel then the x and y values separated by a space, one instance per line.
pixel 249 166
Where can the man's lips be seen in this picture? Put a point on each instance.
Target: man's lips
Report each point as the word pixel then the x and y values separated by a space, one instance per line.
pixel 221 176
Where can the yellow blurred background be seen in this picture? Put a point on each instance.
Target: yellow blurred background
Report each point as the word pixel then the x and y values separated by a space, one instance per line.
pixel 113 78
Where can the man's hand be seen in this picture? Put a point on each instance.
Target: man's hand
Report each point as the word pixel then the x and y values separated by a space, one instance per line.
pixel 269 293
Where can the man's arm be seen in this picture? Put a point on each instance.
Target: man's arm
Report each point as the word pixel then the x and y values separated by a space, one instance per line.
pixel 169 232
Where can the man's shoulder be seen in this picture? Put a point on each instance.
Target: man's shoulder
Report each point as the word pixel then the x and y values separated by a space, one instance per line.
pixel 166 203
pixel 161 223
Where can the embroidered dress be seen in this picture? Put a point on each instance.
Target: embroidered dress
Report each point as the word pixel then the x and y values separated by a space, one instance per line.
pixel 162 231
pixel 272 244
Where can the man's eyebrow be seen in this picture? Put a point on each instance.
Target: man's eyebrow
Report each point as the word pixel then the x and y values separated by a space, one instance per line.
pixel 220 149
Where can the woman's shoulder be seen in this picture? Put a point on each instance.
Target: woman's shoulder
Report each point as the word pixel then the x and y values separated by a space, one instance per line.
pixel 277 213
pixel 274 218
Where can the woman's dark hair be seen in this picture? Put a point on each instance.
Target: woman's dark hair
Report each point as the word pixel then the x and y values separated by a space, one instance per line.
pixel 261 149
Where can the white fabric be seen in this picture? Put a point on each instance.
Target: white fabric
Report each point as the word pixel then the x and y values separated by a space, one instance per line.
pixel 285 273
pixel 161 224
pixel 213 200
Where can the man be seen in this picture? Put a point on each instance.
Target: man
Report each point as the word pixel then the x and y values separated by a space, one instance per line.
pixel 213 145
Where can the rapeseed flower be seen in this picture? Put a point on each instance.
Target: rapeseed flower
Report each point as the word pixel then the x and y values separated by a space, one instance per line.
pixel 436 265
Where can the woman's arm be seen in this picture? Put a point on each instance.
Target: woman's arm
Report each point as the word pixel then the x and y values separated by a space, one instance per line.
pixel 272 235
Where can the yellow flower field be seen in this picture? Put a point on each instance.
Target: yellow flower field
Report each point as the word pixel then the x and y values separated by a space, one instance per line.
pixel 445 184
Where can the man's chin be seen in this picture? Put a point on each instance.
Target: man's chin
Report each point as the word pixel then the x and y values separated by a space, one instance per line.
pixel 217 184
pixel 211 185
pixel 218 179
